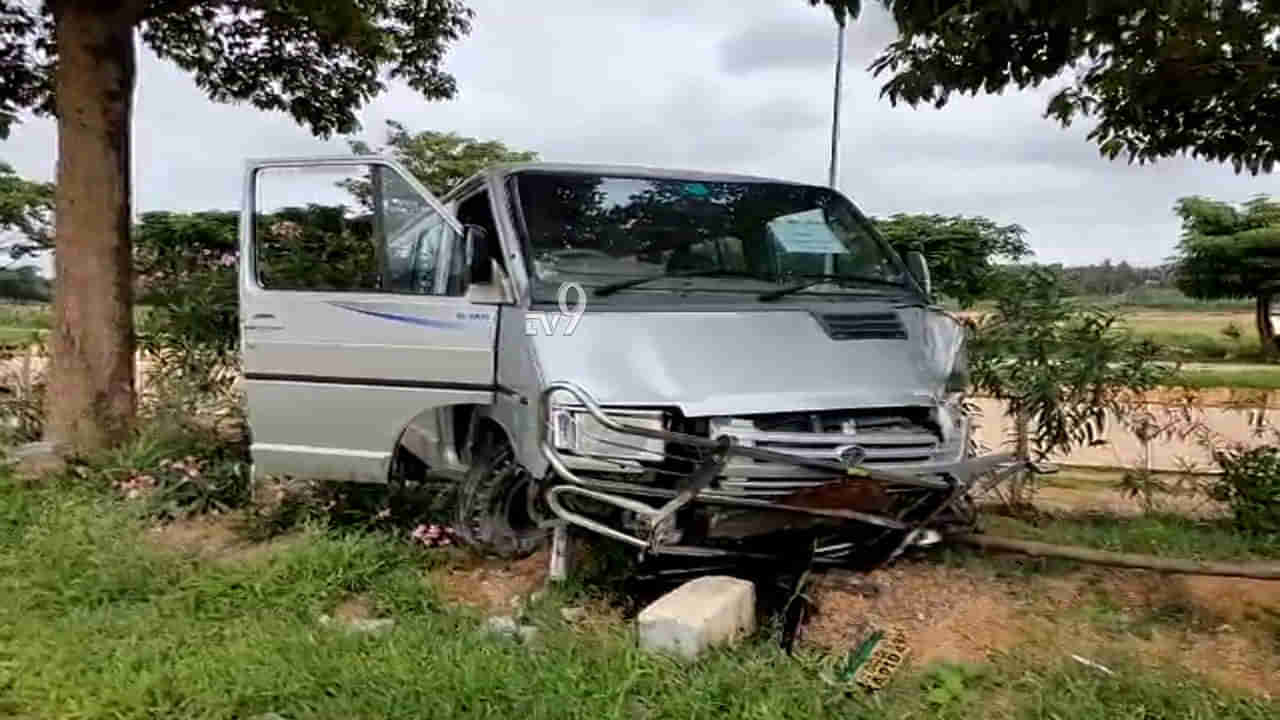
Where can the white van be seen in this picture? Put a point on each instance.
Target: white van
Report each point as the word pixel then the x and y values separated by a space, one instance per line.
pixel 688 363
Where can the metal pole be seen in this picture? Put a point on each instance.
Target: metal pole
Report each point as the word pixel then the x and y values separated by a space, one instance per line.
pixel 834 174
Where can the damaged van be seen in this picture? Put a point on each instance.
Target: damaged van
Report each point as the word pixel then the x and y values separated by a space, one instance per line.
pixel 688 363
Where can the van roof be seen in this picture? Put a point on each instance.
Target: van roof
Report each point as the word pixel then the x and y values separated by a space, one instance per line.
pixel 503 169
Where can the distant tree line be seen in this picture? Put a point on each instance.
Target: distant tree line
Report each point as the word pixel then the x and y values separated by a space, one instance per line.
pixel 24 283
pixel 1105 278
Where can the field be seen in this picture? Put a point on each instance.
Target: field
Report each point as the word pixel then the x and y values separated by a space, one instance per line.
pixel 1199 335
pixel 1218 341
pixel 20 324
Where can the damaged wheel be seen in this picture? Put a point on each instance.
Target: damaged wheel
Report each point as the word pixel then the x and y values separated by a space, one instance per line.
pixel 493 506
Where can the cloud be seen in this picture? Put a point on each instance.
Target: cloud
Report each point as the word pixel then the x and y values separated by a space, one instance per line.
pixel 786 114
pixel 778 46
pixel 804 43
pixel 739 86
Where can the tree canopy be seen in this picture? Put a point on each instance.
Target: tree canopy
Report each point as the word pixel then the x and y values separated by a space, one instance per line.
pixel 1230 251
pixel 26 214
pixel 439 160
pixel 317 60
pixel 961 250
pixel 24 283
pixel 1161 77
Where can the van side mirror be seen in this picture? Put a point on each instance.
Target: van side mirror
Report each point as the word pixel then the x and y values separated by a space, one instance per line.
pixel 479 254
pixel 919 269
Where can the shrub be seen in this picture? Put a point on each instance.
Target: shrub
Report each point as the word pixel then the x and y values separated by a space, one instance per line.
pixel 186 267
pixel 172 469
pixel 1063 368
pixel 22 391
pixel 1250 485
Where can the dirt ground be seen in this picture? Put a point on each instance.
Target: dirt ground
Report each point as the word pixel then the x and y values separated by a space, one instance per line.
pixel 490 584
pixel 1225 628
pixel 217 537
pixel 967 615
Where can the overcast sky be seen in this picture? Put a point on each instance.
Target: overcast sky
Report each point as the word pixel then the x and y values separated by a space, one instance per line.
pixel 733 85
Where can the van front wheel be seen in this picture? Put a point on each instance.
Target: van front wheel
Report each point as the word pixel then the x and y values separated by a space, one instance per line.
pixel 493 504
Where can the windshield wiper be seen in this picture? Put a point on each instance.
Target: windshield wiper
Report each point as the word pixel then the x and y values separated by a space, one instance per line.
pixel 819 279
pixel 614 287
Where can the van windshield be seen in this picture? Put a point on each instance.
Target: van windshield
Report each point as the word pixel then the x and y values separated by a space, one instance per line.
pixel 689 235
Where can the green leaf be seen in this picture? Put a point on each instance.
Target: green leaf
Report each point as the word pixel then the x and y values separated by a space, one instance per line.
pixel 938 696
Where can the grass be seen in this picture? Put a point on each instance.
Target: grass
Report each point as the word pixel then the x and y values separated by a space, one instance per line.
pixel 1195 332
pixel 23 324
pixel 1167 535
pixel 1260 379
pixel 1167 299
pixel 1198 335
pixel 25 315
pixel 98 622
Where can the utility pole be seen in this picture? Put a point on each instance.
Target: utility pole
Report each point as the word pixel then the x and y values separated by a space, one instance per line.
pixel 834 174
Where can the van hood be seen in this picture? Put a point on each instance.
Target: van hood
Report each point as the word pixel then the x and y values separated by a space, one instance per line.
pixel 710 363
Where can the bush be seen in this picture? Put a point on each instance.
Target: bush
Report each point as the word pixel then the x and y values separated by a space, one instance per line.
pixel 172 469
pixel 1250 485
pixel 186 266
pixel 1062 368
pixel 22 390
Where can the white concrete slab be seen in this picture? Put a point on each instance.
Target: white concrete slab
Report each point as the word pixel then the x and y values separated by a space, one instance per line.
pixel 700 614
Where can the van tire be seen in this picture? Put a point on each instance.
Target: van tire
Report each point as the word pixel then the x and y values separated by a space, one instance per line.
pixel 492 512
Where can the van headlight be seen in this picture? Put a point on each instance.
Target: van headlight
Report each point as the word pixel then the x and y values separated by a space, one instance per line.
pixel 564 428
pixel 574 430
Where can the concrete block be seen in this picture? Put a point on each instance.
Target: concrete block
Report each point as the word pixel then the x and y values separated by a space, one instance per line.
pixel 701 613
pixel 38 458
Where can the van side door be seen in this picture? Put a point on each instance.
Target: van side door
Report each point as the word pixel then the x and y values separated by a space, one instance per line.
pixel 354 315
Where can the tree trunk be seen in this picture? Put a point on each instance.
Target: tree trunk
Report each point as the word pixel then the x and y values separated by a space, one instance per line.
pixel 1020 484
pixel 1266 327
pixel 90 403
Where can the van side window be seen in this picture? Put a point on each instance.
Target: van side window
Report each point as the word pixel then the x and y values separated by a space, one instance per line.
pixel 476 210
pixel 347 228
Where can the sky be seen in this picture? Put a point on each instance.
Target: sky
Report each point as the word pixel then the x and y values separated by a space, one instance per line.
pixel 726 85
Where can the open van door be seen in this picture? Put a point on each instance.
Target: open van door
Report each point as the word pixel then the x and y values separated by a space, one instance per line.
pixel 354 315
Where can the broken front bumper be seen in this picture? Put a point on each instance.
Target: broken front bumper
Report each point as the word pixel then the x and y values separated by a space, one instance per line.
pixel 825 496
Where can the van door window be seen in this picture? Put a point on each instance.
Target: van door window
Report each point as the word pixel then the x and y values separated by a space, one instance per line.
pixel 348 228
pixel 476 210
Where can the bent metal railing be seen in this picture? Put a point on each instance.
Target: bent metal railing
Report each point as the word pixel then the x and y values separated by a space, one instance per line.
pixel 953 478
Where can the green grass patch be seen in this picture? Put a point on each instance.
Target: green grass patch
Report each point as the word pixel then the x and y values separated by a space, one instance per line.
pixel 1167 535
pixel 1199 332
pixel 1263 379
pixel 1198 335
pixel 97 622
pixel 25 315
pixel 1017 686
pixel 19 337
pixel 1153 298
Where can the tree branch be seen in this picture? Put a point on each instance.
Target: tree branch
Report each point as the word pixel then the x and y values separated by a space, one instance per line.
pixel 150 9
pixel 1264 571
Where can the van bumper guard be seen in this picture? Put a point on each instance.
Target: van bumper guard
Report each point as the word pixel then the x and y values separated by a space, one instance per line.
pixel 656 507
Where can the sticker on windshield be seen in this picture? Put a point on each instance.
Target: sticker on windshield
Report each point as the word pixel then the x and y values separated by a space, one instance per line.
pixel 806 232
pixel 696 189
